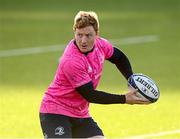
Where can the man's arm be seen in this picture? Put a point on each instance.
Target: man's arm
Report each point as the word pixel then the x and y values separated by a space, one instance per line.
pixel 88 92
pixel 94 96
pixel 122 63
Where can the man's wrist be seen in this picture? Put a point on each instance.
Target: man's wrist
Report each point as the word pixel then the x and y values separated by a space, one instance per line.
pixel 122 99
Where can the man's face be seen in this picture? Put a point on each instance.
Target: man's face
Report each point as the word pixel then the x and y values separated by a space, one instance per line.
pixel 85 38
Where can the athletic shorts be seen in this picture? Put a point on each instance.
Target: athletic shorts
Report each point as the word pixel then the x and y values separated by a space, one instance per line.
pixel 61 126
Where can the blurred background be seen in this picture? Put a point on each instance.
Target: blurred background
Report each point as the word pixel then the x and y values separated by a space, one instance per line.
pixel 34 33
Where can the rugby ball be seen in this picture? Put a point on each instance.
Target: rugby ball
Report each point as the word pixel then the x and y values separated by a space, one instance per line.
pixel 145 85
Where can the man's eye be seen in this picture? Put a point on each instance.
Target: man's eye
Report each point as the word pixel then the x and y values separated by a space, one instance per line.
pixel 88 35
pixel 80 35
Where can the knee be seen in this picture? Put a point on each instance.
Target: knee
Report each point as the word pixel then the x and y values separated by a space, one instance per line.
pixel 97 137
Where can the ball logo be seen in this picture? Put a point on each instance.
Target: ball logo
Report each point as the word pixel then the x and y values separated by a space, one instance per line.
pixel 147 85
pixel 144 89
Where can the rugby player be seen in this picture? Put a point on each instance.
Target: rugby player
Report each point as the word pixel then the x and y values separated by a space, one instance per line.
pixel 64 111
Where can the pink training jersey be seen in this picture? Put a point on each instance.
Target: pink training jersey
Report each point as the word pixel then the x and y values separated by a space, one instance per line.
pixel 75 69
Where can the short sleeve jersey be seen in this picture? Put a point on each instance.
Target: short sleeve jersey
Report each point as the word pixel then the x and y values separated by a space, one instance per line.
pixel 74 70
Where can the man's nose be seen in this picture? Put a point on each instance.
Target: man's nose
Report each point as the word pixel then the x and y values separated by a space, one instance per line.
pixel 84 39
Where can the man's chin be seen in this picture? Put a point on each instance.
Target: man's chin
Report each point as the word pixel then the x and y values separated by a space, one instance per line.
pixel 84 50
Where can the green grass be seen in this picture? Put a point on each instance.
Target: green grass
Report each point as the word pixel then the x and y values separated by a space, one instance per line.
pixel 123 121
pixel 19 111
pixel 23 79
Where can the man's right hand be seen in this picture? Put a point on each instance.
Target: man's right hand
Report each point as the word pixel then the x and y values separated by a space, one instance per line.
pixel 132 97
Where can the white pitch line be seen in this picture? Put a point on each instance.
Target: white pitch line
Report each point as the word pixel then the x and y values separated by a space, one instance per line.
pixel 31 50
pixel 154 135
pixel 60 47
pixel 133 137
pixel 136 40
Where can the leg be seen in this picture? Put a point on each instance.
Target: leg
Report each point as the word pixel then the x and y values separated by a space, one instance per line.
pixel 97 137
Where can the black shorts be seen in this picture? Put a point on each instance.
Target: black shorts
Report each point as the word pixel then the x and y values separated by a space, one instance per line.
pixel 60 126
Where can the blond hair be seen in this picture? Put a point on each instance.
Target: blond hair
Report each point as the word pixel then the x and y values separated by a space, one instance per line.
pixel 84 19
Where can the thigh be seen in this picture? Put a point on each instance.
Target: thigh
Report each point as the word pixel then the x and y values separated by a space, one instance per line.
pixel 55 126
pixel 86 128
